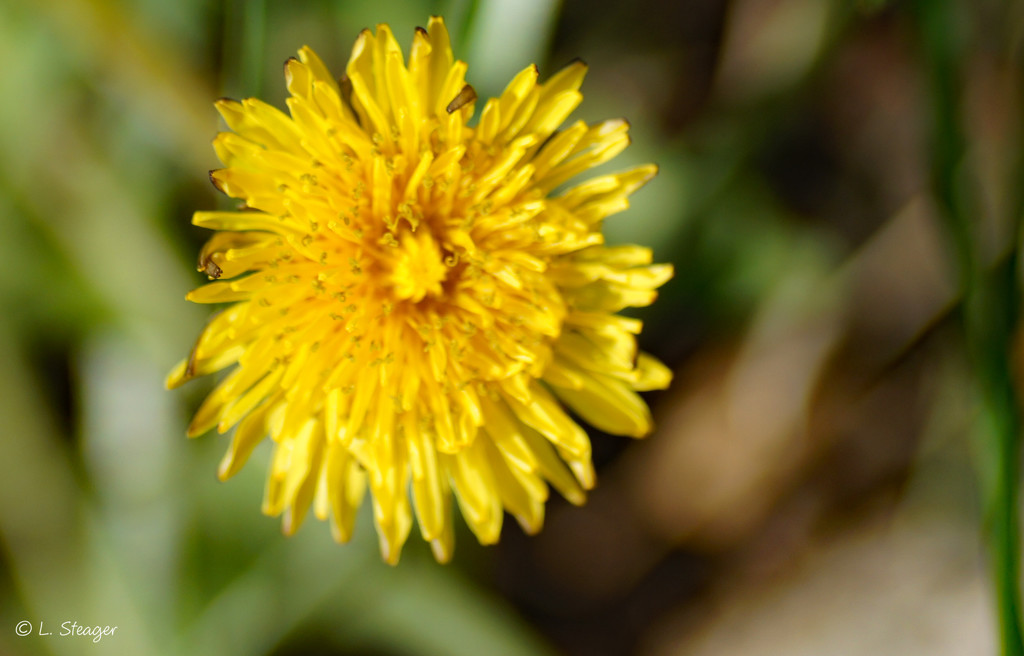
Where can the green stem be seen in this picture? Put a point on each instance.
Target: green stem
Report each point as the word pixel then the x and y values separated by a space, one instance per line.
pixel 990 300
pixel 470 10
pixel 989 321
pixel 244 40
pixel 253 43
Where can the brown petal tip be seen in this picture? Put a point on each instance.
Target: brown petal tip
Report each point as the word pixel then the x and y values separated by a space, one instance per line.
pixel 465 96
pixel 215 182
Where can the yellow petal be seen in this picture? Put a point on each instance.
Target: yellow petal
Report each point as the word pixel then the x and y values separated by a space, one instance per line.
pixel 553 469
pixel 607 404
pixel 441 60
pixel 392 513
pixel 244 403
pixel 476 492
pixel 249 433
pixel 261 123
pixel 346 484
pixel 651 374
pixel 430 489
pixel 600 143
pixel 519 492
pixel 544 414
pixel 304 481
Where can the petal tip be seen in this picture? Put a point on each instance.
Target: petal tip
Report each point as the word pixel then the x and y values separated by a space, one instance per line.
pixel 290 523
pixel 216 182
pixel 339 534
pixel 442 553
pixel 465 96
pixel 178 376
pixel 388 554
pixel 576 497
pixel 224 472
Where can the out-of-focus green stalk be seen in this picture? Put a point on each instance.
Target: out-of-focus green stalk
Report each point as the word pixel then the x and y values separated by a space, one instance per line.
pixel 990 302
pixel 245 26
pixel 470 8
pixel 253 43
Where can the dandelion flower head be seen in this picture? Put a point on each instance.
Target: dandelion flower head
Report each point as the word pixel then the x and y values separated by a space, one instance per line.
pixel 415 305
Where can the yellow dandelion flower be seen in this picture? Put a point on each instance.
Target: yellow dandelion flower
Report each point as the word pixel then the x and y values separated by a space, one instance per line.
pixel 411 304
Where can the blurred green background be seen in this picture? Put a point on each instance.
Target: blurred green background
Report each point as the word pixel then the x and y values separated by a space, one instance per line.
pixel 809 489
